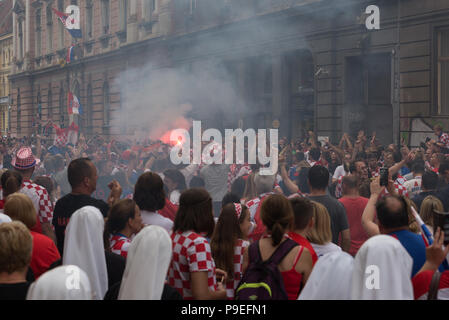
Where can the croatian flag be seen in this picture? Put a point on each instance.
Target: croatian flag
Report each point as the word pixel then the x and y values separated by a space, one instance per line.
pixel 70 54
pixel 73 104
pixel 69 23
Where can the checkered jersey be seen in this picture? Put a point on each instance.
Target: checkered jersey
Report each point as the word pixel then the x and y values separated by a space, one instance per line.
pixel 375 173
pixel 339 188
pixel 400 190
pixel 232 284
pixel 41 200
pixel 444 139
pixel 120 244
pixel 191 253
pixel 252 206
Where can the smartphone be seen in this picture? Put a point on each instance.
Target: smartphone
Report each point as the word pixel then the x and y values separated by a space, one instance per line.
pixel 383 177
pixel 441 219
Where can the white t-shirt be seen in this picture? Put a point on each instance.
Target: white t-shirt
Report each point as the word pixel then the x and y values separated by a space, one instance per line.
pixel 413 186
pixel 174 197
pixel 339 171
pixel 322 249
pixel 153 218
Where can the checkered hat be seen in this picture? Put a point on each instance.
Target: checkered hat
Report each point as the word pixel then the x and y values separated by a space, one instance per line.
pixel 24 159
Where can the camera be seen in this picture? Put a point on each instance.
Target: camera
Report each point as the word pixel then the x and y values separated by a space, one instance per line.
pixel 384 177
pixel 441 219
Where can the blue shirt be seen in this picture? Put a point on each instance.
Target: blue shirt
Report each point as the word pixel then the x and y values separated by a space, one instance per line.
pixel 415 246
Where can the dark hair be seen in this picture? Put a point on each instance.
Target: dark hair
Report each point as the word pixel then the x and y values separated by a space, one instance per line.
pixel 195 212
pixel 392 219
pixel 315 154
pixel 318 177
pixel 230 198
pixel 302 211
pixel 444 166
pixel 197 182
pixel 118 217
pixel 350 182
pixel 224 238
pixel 149 192
pixel 177 177
pixel 78 170
pixel 238 187
pixel 299 156
pixel 418 166
pixel 11 182
pixel 58 162
pixel 429 180
pixel 277 215
pixel 45 182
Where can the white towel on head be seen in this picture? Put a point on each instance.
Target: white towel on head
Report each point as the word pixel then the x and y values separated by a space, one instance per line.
pixel 84 247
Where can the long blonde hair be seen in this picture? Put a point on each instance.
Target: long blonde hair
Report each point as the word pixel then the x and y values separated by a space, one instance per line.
pixel 429 204
pixel 321 232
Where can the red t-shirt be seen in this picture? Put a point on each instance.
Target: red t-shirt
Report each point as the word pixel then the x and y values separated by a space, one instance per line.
pixel 421 285
pixel 299 239
pixel 354 211
pixel 44 254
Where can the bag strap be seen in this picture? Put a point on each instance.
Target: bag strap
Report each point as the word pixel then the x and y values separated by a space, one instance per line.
pixel 254 252
pixel 282 251
pixel 434 286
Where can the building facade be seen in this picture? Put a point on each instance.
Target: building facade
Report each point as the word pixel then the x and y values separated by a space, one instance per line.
pixel 6 56
pixel 306 64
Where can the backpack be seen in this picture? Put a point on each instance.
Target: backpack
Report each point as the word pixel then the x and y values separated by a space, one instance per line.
pixel 262 280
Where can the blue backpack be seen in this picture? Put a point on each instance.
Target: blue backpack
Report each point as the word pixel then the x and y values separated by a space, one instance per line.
pixel 262 280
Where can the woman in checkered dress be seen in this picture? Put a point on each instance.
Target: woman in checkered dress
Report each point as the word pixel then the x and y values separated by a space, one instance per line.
pixel 192 270
pixel 228 244
pixel 123 221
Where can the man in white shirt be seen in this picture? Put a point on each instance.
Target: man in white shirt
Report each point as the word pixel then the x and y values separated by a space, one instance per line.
pixel 414 185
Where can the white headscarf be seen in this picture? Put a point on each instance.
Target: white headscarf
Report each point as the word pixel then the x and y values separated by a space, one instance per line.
pixel 383 259
pixel 62 283
pixel 330 278
pixel 84 247
pixel 4 218
pixel 147 264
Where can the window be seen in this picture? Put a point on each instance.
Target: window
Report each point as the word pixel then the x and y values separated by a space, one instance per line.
pixel 19 112
pixel 62 107
pixel 106 104
pixel 443 72
pixel 20 39
pixel 38 33
pixel 105 16
pixel 49 104
pixel 61 26
pixel 123 18
pixel 89 18
pixel 49 29
pixel 193 6
pixel 149 6
pixel 89 106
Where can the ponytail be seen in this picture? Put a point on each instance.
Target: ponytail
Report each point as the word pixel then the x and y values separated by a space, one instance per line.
pixel 277 233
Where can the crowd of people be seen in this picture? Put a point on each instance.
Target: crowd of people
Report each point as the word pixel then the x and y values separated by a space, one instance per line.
pixel 132 225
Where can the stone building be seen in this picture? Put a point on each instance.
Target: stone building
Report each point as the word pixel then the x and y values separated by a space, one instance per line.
pixel 309 64
pixel 6 55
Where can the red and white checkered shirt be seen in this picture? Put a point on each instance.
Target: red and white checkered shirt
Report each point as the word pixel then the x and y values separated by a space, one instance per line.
pixel 444 139
pixel 400 190
pixel 120 244
pixel 191 253
pixel 339 188
pixel 232 284
pixel 41 200
pixel 375 173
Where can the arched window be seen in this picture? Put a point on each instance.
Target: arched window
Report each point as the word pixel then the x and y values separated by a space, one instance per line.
pixel 61 26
